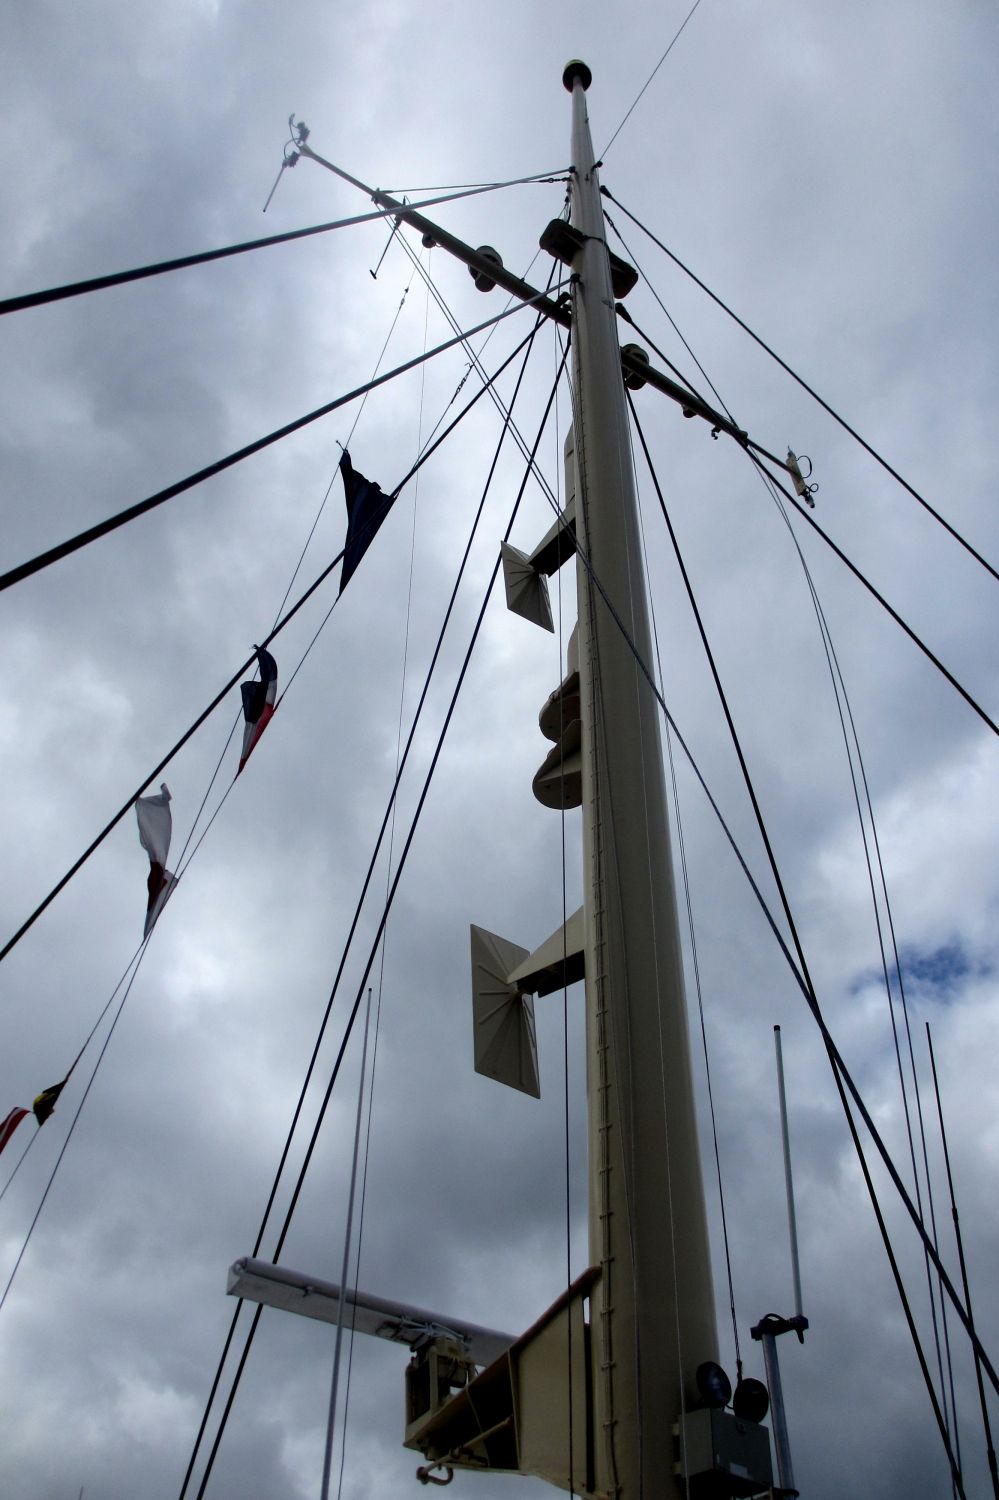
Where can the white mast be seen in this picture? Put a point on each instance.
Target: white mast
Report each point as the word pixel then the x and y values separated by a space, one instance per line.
pixel 612 1411
pixel 652 1311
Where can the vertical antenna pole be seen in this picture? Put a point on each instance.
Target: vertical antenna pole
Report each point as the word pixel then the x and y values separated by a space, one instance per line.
pixel 990 1449
pixel 778 1418
pixel 792 1225
pixel 652 1310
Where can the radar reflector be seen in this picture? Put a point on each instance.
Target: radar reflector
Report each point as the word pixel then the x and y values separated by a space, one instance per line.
pixel 506 1046
pixel 526 588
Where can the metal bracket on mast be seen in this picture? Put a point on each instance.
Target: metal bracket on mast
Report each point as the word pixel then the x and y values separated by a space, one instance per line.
pixel 488 267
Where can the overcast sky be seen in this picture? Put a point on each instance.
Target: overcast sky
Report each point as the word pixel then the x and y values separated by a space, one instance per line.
pixel 829 171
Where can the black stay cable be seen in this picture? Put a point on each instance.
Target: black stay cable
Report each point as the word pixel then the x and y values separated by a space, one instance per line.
pixel 801 511
pixel 93 533
pixel 372 952
pixel 879 895
pixel 804 983
pixel 806 387
pixel 140 273
pixel 234 679
pixel 858 1146
pixel 986 1424
pixel 834 672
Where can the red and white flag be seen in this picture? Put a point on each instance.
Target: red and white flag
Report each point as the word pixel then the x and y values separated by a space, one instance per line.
pixel 155 828
pixel 8 1126
pixel 259 702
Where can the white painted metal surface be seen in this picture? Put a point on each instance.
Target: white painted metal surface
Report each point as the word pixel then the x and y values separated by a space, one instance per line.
pixel 401 1323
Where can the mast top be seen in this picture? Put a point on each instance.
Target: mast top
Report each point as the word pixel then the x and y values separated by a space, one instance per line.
pixel 574 69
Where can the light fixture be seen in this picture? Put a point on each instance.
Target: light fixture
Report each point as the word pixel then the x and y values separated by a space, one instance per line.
pixel 751 1401
pixel 713 1384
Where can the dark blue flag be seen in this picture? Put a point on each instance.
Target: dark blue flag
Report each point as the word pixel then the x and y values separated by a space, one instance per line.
pixel 367 507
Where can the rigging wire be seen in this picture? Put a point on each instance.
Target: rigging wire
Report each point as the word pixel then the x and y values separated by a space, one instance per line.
pixel 86 1044
pixel 353 428
pixel 835 671
pixel 838 1067
pixel 838 688
pixel 136 959
pixel 112 523
pixel 804 984
pixel 845 714
pixel 473 356
pixel 485 341
pixel 181 869
pixel 480 187
pixel 652 75
pixel 917 640
pixel 235 678
pixel 986 1424
pixel 806 387
pixel 73 1122
pixel 840 1074
pixel 345 1278
pixel 843 1077
pixel 140 273
pixel 623 312
pixel 375 943
pixel 869 586
pixel 345 1265
pixel 807 992
pixel 843 703
pixel 343 960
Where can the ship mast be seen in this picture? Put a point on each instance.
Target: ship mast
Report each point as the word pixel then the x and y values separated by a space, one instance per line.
pixel 614 1392
pixel 652 1310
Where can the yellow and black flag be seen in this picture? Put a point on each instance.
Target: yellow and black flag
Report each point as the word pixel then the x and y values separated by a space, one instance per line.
pixel 46 1101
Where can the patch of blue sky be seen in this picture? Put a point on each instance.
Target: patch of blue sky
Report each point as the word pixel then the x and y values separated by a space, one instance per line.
pixel 933 973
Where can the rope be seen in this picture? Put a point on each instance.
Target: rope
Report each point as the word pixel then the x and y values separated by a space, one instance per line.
pixel 103 528
pixel 806 387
